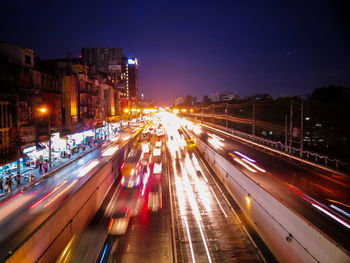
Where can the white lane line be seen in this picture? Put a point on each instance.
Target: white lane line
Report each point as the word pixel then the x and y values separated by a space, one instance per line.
pixel 189 239
pixel 195 209
pixel 217 200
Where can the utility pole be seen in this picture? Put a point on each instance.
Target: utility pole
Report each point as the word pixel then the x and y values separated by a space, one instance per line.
pixel 17 141
pixel 291 127
pixel 226 111
pixel 301 128
pixel 202 114
pixel 253 120
pixel 286 132
pixel 48 115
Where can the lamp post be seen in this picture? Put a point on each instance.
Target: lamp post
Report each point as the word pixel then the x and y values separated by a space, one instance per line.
pixel 44 110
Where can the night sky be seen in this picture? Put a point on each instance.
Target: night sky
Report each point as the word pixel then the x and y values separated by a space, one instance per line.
pixel 196 47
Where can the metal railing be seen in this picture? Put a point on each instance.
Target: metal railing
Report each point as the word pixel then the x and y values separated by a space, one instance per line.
pixel 314 159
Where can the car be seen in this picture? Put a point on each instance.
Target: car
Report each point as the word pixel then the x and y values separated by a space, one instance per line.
pixel 118 223
pixel 159 132
pixel 190 144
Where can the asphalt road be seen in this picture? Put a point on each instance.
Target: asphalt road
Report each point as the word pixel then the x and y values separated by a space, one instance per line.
pixel 24 212
pixel 207 230
pixel 193 216
pixel 298 186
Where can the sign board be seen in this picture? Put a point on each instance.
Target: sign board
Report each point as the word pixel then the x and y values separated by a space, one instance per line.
pixel 27 134
pixel 78 68
pixel 114 67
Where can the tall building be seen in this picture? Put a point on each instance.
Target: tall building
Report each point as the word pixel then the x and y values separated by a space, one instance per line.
pixel 132 80
pixel 105 59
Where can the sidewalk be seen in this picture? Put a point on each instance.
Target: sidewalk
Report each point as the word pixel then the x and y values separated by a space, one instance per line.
pixel 25 175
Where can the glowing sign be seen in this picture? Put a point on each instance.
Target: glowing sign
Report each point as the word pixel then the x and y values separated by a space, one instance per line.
pixel 131 61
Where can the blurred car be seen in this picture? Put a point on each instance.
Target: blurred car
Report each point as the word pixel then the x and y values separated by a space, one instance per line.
pixel 131 170
pixel 131 176
pixel 190 144
pixel 118 223
pixel 157 161
pixel 159 132
pixel 86 246
pixel 155 198
pixel 158 144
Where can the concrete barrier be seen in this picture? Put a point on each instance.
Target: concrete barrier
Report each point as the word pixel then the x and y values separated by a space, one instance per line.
pixel 290 237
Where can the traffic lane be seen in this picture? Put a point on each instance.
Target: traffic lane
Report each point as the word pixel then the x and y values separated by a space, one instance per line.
pixel 148 237
pixel 27 220
pixel 285 193
pixel 144 239
pixel 307 181
pixel 208 230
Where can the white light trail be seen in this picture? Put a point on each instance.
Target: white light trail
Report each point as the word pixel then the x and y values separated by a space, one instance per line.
pixel 245 165
pixel 332 216
pixel 254 165
pixel 189 239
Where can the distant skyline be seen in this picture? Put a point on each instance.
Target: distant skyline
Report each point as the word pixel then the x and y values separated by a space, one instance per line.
pixel 197 47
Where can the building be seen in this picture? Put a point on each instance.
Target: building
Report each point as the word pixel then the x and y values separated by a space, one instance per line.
pixel 222 96
pixel 17 55
pixel 105 59
pixel 131 86
pixel 179 100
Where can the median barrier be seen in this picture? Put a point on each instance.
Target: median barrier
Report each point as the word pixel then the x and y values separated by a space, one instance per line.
pixel 290 237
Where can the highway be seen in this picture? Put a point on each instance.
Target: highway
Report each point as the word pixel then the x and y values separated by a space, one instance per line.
pixel 322 199
pixel 21 214
pixel 178 213
pixel 167 204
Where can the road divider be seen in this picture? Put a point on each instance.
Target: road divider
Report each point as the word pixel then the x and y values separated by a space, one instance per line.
pixel 290 237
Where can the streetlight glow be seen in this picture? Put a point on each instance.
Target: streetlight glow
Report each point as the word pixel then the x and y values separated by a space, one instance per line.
pixel 43 110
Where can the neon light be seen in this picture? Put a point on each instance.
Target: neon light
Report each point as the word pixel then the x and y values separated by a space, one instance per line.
pixel 131 61
pixel 255 166
pixel 245 165
pixel 47 195
pixel 104 253
pixel 244 156
pixel 60 194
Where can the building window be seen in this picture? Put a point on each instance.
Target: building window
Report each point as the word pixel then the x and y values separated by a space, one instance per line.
pixel 27 59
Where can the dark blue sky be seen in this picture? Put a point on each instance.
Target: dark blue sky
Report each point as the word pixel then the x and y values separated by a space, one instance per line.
pixel 197 47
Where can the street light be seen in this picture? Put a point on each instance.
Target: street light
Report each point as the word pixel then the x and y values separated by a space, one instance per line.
pixel 44 110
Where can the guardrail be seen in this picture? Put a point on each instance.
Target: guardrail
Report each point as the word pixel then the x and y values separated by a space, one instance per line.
pixel 313 158
pixel 322 167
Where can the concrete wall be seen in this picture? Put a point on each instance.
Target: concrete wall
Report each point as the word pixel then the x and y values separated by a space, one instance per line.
pixel 273 219
pixel 48 241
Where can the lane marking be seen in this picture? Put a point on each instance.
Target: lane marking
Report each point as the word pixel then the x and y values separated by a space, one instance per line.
pixel 217 200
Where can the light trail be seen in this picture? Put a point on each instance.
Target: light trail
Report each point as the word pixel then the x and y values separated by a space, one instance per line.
pixel 245 165
pixel 110 151
pixel 245 157
pixel 316 205
pixel 254 165
pixel 47 195
pixel 84 170
pixel 60 194
pixel 189 239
